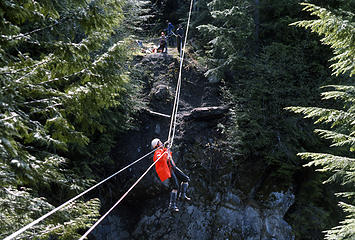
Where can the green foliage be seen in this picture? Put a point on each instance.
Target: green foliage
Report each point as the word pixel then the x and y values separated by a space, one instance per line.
pixel 312 204
pixel 264 66
pixel 346 228
pixel 337 123
pixel 262 129
pixel 138 14
pixel 341 123
pixel 64 96
pixel 338 32
pixel 64 225
pixel 227 34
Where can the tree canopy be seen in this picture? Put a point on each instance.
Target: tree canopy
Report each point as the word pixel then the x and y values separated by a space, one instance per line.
pixel 337 123
pixel 64 94
pixel 68 91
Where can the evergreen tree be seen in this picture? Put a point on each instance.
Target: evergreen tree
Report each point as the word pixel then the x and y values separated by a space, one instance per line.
pixel 65 94
pixel 337 123
pixel 338 32
pixel 227 35
pixel 264 66
pixel 262 75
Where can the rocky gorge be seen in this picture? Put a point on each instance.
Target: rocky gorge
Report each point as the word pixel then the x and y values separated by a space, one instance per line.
pixel 222 206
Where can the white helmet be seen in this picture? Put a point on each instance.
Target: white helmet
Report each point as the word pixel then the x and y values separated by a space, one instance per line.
pixel 155 142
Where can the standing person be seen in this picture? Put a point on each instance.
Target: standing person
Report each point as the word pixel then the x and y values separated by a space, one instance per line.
pixel 179 38
pixel 165 169
pixel 169 33
pixel 162 44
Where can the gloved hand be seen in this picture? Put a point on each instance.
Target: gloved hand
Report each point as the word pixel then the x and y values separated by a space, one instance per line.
pixel 166 143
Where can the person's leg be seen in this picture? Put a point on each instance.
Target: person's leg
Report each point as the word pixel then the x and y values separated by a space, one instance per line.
pixel 178 45
pixel 172 40
pixel 173 194
pixel 165 48
pixel 182 195
pixel 184 184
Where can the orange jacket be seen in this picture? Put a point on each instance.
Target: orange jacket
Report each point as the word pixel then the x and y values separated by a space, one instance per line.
pixel 163 165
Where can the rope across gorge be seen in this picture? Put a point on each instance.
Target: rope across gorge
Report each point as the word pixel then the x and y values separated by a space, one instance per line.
pixel 169 143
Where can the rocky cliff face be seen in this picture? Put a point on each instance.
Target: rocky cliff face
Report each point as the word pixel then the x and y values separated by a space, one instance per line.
pixel 219 209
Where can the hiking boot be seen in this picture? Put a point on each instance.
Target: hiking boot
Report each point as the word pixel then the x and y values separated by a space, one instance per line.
pixel 172 204
pixel 182 195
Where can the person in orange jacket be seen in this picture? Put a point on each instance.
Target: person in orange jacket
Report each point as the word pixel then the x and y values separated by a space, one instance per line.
pixel 166 168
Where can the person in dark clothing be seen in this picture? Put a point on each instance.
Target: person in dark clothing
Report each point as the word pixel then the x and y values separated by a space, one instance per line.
pixel 169 33
pixel 162 44
pixel 166 168
pixel 179 38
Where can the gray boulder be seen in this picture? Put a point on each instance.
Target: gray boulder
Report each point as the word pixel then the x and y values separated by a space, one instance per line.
pixel 161 92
